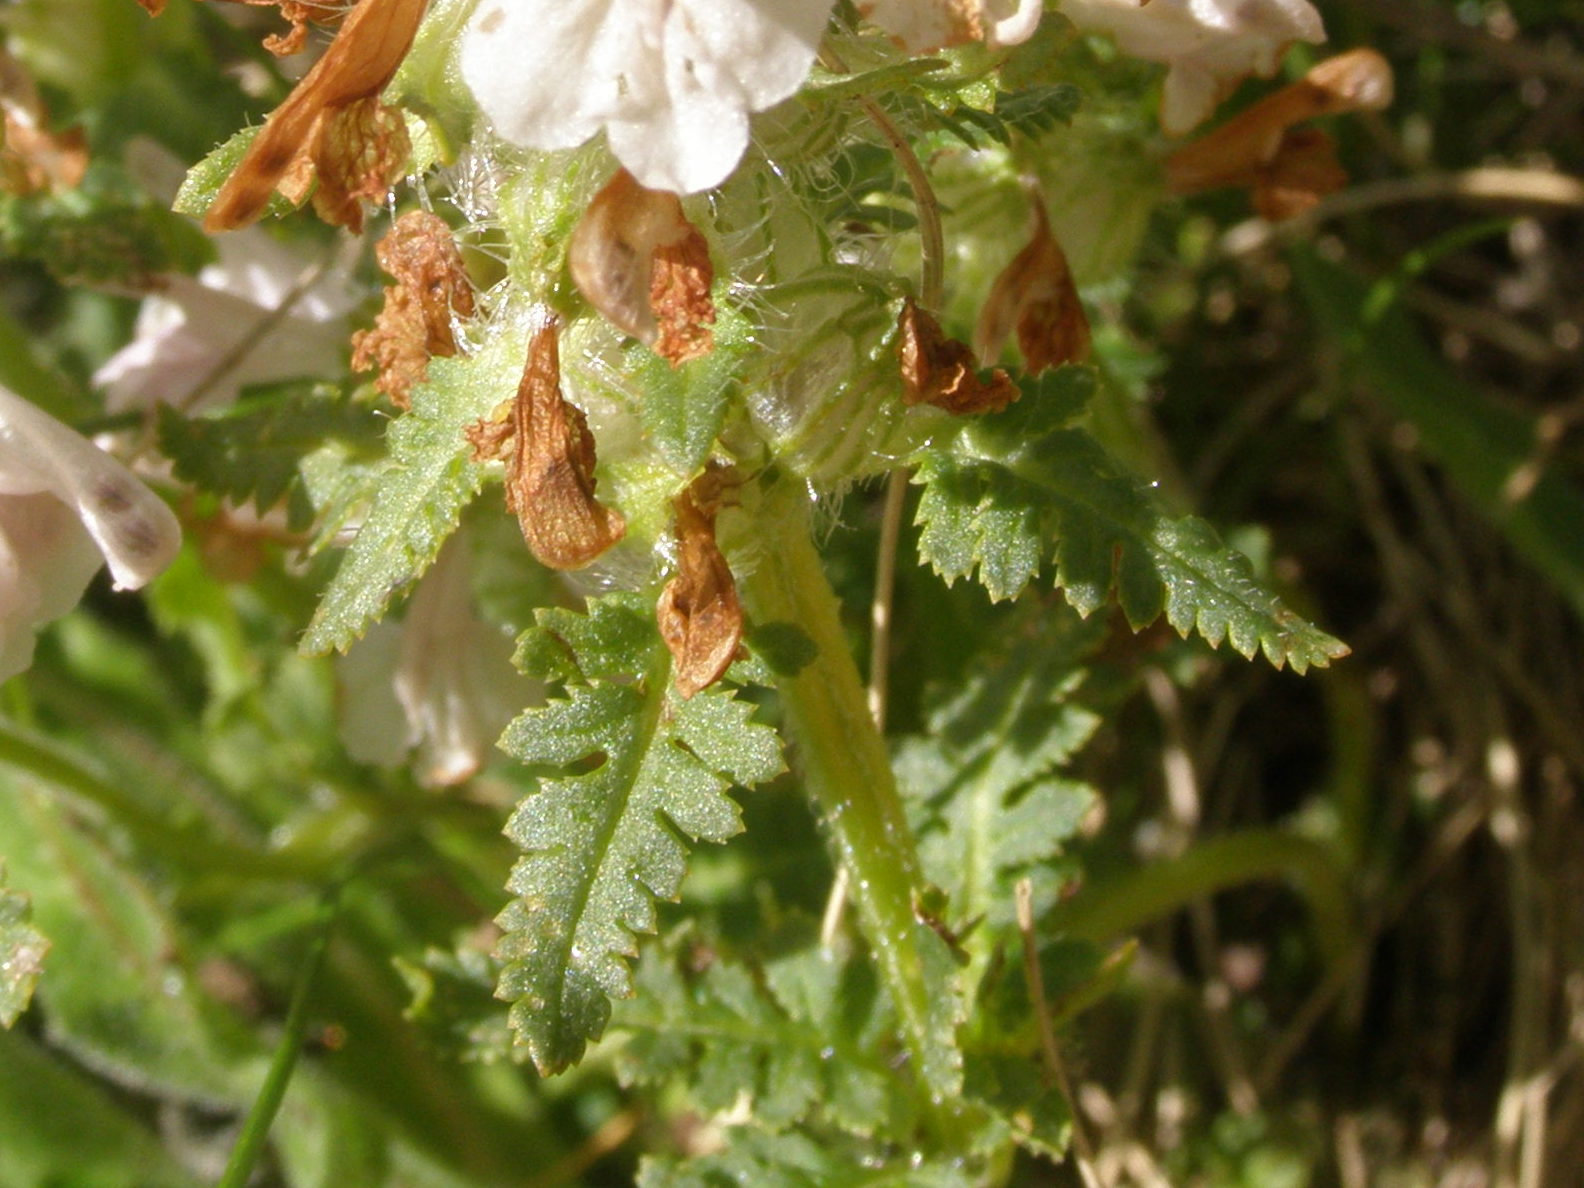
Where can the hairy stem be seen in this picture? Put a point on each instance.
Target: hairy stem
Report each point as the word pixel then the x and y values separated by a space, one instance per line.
pixel 842 760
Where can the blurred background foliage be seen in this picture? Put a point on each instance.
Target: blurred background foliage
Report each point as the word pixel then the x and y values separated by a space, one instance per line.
pixel 1357 895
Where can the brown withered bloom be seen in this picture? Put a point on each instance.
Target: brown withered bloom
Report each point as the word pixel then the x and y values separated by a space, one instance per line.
pixel 549 454
pixel 638 260
pixel 1035 296
pixel 417 321
pixel 331 126
pixel 943 371
pixel 299 13
pixel 1289 169
pixel 700 618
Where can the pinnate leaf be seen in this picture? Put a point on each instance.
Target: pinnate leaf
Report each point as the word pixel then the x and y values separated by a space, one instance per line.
pixel 988 798
pixel 639 769
pixel 805 1039
pixel 419 495
pixel 1004 508
pixel 793 1160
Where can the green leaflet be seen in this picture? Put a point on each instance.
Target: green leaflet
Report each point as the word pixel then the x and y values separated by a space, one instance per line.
pixel 1004 508
pixel 420 494
pixel 251 451
pixel 793 1160
pixel 806 1040
pixel 22 949
pixel 988 801
pixel 204 179
pixel 601 840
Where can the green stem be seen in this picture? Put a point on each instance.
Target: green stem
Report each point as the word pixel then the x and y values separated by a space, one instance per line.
pixel 843 762
pixel 255 1131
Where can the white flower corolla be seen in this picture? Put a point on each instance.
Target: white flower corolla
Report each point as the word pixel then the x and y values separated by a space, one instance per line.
pixel 671 81
pixel 66 508
pixel 442 681
pixel 261 312
pixel 1209 45
pixel 922 25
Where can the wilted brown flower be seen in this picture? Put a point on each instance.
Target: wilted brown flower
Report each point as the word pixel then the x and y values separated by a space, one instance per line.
pixel 331 125
pixel 1035 295
pixel 549 455
pixel 416 322
pixel 639 261
pixel 700 618
pixel 944 372
pixel 1289 170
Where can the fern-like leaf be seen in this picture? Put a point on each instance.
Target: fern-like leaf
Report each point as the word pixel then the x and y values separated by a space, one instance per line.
pixel 251 451
pixel 989 801
pixel 793 1160
pixel 419 496
pixel 807 1039
pixel 640 768
pixel 1005 506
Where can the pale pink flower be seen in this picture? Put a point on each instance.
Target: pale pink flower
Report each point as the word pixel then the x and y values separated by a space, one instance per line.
pixel 1209 46
pixel 66 508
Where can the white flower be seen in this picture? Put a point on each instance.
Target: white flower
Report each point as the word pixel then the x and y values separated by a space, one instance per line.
pixel 922 25
pixel 670 81
pixel 1209 45
pixel 260 312
pixel 66 507
pixel 442 681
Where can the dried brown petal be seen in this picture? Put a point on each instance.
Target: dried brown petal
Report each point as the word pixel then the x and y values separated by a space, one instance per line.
pixel 944 372
pixel 1236 152
pixel 1304 170
pixel 1036 296
pixel 550 469
pixel 359 152
pixel 152 7
pixel 700 618
pixel 638 260
pixel 417 320
pixel 360 61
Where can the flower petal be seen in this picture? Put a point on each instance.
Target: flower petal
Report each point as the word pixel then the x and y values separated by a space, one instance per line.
pixel 672 81
pixel 135 531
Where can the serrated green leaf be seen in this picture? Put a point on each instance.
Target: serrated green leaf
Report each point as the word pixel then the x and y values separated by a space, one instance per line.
pixel 420 495
pixel 683 407
pixel 1004 512
pixel 103 230
pixel 807 1040
pixel 792 1160
pixel 251 451
pixel 22 949
pixel 602 842
pixel 987 799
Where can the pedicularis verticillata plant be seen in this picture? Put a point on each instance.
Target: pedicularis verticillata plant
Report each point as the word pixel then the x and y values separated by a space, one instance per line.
pixel 678 276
